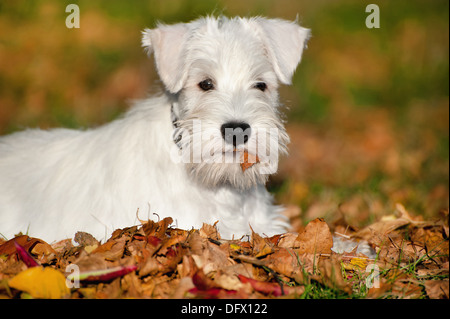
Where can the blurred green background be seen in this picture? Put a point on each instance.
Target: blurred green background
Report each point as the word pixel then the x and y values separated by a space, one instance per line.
pixel 368 112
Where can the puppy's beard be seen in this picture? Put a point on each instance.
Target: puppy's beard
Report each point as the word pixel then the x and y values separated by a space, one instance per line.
pixel 217 174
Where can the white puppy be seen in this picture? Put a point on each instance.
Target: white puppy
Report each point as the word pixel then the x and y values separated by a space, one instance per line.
pixel 200 152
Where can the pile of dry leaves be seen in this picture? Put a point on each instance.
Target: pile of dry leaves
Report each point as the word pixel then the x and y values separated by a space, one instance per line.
pixel 154 260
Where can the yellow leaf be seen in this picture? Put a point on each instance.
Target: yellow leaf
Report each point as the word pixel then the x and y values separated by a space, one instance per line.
pixel 356 264
pixel 41 282
pixel 265 250
pixel 235 246
pixel 360 263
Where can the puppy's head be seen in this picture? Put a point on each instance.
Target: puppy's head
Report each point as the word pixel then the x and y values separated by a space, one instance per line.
pixel 225 73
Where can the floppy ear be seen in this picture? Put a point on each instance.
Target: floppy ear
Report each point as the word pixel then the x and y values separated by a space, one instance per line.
pixel 284 41
pixel 168 43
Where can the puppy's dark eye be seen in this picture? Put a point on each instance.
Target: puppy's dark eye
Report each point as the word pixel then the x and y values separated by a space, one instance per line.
pixel 260 86
pixel 206 85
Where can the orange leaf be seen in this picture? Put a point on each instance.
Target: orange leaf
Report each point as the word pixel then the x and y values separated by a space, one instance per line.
pixel 248 160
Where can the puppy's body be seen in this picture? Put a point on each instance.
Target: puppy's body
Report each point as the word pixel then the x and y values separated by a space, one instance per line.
pixel 221 73
pixel 115 170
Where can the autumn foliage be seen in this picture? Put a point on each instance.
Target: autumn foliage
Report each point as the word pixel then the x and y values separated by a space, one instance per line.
pixel 155 260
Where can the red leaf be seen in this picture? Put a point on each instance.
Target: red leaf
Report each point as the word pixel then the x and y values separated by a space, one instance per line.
pixel 109 274
pixel 154 241
pixel 25 256
pixel 263 287
pixel 202 282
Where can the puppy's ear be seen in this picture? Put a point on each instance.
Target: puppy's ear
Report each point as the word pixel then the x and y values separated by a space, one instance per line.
pixel 284 41
pixel 168 43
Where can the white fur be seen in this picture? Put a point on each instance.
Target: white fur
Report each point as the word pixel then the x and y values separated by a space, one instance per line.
pixel 54 183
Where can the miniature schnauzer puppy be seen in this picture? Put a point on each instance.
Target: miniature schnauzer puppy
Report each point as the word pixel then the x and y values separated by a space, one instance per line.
pixel 200 152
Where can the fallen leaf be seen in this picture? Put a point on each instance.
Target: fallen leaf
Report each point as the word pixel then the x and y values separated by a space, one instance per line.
pixel 316 238
pixel 229 282
pixel 35 246
pixel 206 288
pixel 25 256
pixel 150 266
pixel 331 275
pixel 388 224
pixel 103 275
pixel 267 288
pixel 287 262
pixel 208 231
pixel 261 246
pixel 187 267
pixel 112 249
pixel 437 289
pixel 355 263
pixel 203 282
pixel 183 287
pixel 206 255
pixel 289 240
pixel 162 263
pixel 157 229
pixel 173 240
pixel 47 283
pixel 248 160
pixel 432 238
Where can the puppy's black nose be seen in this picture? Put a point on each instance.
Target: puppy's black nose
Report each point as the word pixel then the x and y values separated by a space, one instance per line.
pixel 235 132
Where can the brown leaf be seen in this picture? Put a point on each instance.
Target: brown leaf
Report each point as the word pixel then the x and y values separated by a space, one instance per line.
pixel 228 282
pixel 132 285
pixel 91 262
pixel 388 224
pixel 261 246
pixel 35 246
pixel 112 249
pixel 127 232
pixel 289 240
pixel 206 255
pixel 208 231
pixel 183 287
pixel 150 266
pixel 316 238
pixel 187 267
pixel 62 246
pixel 157 229
pixel 432 238
pixel 171 242
pixel 331 275
pixel 437 289
pixel 288 263
pixel 381 228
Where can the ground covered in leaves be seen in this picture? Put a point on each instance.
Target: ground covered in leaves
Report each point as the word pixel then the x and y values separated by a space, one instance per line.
pixel 154 260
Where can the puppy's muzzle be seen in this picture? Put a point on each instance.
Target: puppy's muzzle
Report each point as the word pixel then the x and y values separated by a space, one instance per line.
pixel 235 133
